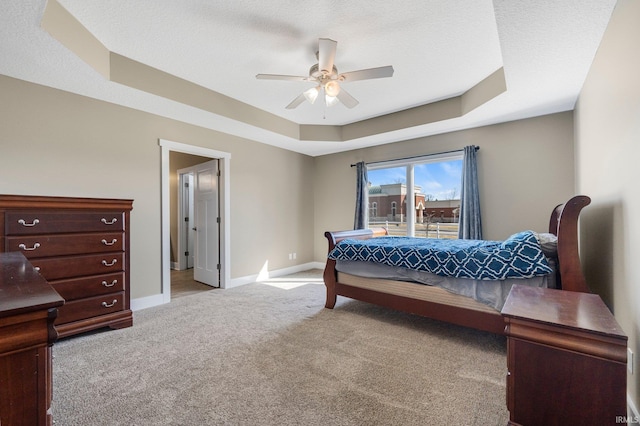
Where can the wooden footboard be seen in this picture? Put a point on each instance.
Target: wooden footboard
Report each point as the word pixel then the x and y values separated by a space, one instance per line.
pixel 563 223
pixel 330 274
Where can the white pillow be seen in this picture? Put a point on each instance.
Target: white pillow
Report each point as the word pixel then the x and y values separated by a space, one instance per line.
pixel 548 242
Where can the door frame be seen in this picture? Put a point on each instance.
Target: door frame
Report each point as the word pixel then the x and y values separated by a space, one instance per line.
pixel 225 210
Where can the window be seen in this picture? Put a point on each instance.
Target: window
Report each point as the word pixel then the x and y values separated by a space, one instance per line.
pixel 373 209
pixel 417 197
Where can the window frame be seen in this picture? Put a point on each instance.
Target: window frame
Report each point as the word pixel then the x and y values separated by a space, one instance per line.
pixel 410 164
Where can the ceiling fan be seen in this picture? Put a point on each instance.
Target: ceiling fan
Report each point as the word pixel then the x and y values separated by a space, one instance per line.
pixel 325 75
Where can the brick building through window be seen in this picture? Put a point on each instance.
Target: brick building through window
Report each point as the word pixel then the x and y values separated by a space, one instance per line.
pixel 388 203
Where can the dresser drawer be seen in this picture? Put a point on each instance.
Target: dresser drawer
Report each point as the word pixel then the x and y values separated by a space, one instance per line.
pixel 65 244
pixel 77 288
pixel 90 307
pixel 28 222
pixel 55 268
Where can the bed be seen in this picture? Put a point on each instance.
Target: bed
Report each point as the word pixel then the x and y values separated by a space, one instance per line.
pixel 374 284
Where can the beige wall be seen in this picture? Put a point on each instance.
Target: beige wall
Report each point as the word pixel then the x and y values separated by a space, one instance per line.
pixel 607 123
pixel 525 168
pixel 57 143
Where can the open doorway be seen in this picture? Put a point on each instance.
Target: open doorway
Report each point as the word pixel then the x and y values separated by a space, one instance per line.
pixel 169 251
pixel 197 222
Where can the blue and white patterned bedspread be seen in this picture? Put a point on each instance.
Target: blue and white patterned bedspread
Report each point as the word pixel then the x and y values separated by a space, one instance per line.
pixel 519 256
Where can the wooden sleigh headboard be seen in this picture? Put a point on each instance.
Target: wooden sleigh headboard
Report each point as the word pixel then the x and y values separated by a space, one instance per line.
pixel 564 224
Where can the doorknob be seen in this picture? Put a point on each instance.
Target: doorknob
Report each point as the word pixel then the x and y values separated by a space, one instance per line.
pixel 195 229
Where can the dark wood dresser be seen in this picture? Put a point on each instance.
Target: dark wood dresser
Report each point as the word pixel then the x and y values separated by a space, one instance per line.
pixel 566 359
pixel 28 307
pixel 81 247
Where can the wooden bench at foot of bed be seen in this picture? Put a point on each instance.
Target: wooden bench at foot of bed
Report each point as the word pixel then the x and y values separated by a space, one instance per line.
pixel 439 304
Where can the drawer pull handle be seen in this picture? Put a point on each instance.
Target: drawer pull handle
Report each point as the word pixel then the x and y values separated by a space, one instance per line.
pixel 113 262
pixel 107 243
pixel 23 223
pixel 106 284
pixel 109 222
pixel 37 268
pixel 25 248
pixel 109 305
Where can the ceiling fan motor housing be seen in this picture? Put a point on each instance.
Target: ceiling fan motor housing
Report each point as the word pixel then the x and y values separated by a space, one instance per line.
pixel 316 73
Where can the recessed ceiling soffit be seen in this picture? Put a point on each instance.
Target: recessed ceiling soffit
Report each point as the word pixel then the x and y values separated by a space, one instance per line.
pixel 64 27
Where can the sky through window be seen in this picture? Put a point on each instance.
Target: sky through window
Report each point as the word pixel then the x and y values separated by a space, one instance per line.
pixel 440 179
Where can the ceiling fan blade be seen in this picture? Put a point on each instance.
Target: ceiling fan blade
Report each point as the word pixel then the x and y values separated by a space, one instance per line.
pixel 281 77
pixel 297 101
pixel 326 54
pixel 346 99
pixel 380 72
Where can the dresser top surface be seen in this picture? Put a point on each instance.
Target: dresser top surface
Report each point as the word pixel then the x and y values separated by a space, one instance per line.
pixel 22 289
pixel 54 202
pixel 568 309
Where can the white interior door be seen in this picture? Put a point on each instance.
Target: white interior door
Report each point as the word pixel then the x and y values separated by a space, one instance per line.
pixel 207 248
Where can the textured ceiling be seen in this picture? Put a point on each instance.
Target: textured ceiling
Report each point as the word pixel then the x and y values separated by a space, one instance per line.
pixel 439 49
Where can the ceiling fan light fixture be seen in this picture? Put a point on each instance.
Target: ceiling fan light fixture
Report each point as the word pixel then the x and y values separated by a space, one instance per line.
pixel 332 88
pixel 330 100
pixel 312 94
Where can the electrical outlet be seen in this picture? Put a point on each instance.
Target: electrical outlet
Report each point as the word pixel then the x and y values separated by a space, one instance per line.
pixel 630 360
pixel 290 256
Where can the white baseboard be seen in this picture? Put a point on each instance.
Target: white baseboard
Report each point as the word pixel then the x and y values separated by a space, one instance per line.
pixel 147 302
pixel 633 410
pixel 236 282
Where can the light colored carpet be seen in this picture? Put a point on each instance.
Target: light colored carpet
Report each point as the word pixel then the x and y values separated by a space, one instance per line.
pixel 270 354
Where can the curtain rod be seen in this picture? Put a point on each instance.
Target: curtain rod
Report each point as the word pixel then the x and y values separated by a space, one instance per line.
pixel 417 156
